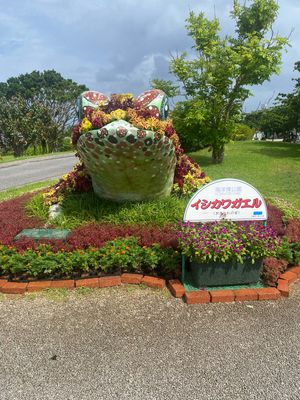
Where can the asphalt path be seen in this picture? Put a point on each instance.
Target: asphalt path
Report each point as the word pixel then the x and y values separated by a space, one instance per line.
pixel 19 173
pixel 137 344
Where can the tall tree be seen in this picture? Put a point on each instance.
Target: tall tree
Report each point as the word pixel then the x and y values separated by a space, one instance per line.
pixel 291 104
pixel 16 125
pixel 217 79
pixel 169 87
pixel 49 92
pixel 283 118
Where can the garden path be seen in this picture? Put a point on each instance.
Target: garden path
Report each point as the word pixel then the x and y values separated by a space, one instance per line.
pixel 131 343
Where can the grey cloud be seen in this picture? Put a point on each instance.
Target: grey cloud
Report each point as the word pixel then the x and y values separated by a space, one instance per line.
pixel 119 45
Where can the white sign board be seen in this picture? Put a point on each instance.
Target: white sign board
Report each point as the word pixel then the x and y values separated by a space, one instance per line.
pixel 230 199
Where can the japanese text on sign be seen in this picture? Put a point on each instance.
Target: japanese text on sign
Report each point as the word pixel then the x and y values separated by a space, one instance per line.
pixel 226 203
pixel 230 199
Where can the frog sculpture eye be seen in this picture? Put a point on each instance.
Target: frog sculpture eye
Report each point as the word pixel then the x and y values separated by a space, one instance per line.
pixel 88 101
pixel 155 101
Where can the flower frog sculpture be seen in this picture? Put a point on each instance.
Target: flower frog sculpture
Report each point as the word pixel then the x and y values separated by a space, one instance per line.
pixel 124 146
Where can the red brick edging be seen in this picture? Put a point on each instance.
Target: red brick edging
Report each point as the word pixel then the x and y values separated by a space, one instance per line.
pixel 174 285
pixel 103 282
pixel 225 296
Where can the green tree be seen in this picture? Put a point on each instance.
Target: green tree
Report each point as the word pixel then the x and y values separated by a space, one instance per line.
pixel 217 80
pixel 282 119
pixel 271 121
pixel 169 87
pixel 52 94
pixel 16 125
pixel 290 103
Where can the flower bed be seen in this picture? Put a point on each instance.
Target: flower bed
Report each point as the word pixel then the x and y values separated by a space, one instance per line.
pixel 124 254
pixel 13 218
pixel 227 241
pixel 27 259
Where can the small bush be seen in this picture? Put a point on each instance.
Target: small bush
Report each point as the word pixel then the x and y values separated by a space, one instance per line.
pixel 119 255
pixel 242 132
pixel 288 210
pixel 275 219
pixel 293 230
pixel 272 269
pixel 66 144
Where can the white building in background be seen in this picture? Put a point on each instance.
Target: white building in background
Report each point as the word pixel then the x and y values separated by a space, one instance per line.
pixel 258 135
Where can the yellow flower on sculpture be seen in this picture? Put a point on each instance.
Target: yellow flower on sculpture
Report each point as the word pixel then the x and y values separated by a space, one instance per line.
pixel 85 125
pixel 118 114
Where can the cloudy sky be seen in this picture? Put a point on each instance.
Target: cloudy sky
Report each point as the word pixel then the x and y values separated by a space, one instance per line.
pixel 119 45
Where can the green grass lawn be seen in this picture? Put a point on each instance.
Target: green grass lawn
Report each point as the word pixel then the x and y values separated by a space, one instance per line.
pixel 272 167
pixel 87 207
pixel 31 187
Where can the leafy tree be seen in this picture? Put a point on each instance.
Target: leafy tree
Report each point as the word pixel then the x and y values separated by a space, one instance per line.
pixel 168 87
pixel 290 103
pixel 52 95
pixel 217 80
pixel 16 125
pixel 283 119
pixel 253 119
pixel 270 121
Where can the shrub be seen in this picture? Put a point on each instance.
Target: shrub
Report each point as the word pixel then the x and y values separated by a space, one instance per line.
pixel 242 132
pixel 287 254
pixel 121 255
pixel 288 210
pixel 272 268
pixel 126 254
pixel 275 219
pixel 293 230
pixel 66 144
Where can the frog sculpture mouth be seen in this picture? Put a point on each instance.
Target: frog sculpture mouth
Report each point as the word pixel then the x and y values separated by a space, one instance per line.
pixel 125 162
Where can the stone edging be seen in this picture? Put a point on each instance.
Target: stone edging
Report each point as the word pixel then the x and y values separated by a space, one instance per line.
pixel 174 285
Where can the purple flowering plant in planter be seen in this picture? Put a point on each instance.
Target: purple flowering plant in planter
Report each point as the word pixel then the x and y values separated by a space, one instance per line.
pixel 227 241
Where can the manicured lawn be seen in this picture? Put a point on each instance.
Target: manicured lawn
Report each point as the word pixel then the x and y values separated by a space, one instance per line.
pixel 11 158
pixel 272 167
pixel 82 208
pixel 31 187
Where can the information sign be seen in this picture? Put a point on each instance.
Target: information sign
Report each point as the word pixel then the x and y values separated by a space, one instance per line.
pixel 230 199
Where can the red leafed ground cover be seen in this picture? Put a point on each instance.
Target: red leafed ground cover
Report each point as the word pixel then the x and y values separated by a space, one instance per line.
pixel 97 234
pixel 13 219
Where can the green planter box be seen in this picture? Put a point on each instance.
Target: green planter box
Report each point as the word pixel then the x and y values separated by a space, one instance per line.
pixel 225 274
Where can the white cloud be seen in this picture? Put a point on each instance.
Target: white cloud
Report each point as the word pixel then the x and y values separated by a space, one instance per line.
pixel 121 44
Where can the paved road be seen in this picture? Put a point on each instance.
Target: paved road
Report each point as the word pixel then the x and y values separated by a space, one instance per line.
pixel 37 169
pixel 121 344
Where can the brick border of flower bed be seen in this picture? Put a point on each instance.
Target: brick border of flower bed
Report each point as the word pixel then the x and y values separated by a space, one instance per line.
pixel 285 280
pixel 176 288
